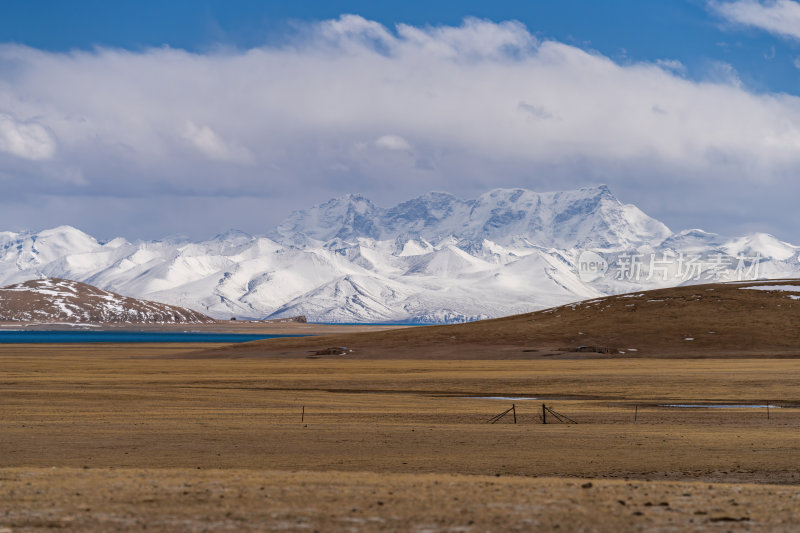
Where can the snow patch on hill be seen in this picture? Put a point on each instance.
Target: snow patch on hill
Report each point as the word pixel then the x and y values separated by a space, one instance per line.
pixel 65 301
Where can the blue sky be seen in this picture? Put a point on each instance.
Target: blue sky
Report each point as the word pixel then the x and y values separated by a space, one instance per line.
pixel 147 118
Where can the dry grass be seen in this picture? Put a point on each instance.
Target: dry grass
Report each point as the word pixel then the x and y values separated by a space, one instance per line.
pixel 162 439
pixel 246 500
pixel 399 416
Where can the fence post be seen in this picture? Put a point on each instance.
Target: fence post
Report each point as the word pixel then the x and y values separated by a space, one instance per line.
pixel 303 414
pixel 544 414
pixel 514 410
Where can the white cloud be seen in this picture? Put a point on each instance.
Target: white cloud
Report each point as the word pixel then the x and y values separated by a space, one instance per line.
pixel 355 30
pixel 672 64
pixel 28 140
pixel 781 17
pixel 474 39
pixel 482 105
pixel 721 72
pixel 538 112
pixel 392 142
pixel 796 62
pixel 209 143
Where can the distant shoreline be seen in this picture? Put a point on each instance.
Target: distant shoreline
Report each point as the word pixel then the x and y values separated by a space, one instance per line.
pixel 221 326
pixel 84 336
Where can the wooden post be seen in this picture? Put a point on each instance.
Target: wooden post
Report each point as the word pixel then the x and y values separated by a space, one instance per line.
pixel 767 410
pixel 636 413
pixel 514 410
pixel 544 414
pixel 303 414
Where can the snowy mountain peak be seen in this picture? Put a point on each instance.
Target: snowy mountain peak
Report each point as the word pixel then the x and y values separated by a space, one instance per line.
pixel 116 243
pixel 232 235
pixel 347 217
pixel 430 258
pixel 588 217
pixel 34 250
pixel 64 237
pixel 691 241
pixel 762 245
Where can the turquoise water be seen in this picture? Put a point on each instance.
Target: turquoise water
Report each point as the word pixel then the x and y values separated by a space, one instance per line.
pixel 82 336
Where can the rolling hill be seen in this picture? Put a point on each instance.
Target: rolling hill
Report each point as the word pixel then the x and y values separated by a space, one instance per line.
pixel 756 318
pixel 64 301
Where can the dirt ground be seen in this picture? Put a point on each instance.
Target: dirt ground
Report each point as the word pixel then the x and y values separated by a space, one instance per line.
pixel 99 438
pixel 249 500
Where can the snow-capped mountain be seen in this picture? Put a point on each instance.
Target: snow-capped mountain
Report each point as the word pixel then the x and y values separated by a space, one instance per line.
pixel 589 217
pixel 435 258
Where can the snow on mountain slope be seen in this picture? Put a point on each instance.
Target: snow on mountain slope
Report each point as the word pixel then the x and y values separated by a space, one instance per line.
pixel 348 217
pixel 762 244
pixel 58 300
pixel 447 262
pixel 690 241
pixel 352 298
pixel 31 250
pixel 589 217
pixel 429 259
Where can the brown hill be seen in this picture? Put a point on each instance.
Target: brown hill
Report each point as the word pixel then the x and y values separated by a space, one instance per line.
pixel 715 320
pixel 61 300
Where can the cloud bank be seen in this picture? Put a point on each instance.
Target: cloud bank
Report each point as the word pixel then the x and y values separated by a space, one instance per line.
pixel 26 140
pixel 352 106
pixel 781 17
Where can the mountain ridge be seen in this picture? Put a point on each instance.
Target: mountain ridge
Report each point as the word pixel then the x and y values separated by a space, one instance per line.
pixel 552 219
pixel 434 257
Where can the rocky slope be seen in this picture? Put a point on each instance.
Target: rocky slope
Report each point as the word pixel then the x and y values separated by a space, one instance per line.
pixel 59 300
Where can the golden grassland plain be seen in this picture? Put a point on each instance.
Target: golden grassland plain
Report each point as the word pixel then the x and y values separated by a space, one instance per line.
pixel 116 437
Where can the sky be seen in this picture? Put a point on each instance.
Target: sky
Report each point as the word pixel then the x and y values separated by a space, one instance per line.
pixel 148 119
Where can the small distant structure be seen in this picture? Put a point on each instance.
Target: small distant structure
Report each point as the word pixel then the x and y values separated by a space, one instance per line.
pixel 595 349
pixel 233 318
pixel 333 350
pixel 301 319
